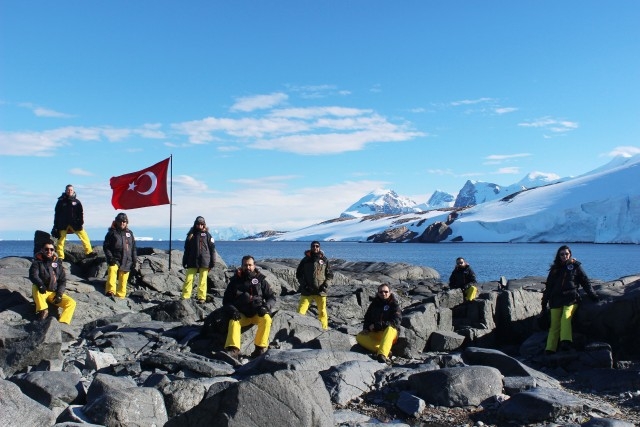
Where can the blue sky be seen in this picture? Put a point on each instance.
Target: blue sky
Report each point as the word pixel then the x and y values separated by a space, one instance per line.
pixel 282 114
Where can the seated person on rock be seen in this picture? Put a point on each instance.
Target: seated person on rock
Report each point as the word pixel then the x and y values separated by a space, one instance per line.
pixel 248 300
pixel 49 283
pixel 381 324
pixel 463 277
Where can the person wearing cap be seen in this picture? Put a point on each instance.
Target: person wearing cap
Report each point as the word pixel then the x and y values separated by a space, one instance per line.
pixel 120 251
pixel 198 258
pixel 464 278
pixel 68 219
pixel 314 276
pixel 381 323
pixel 49 284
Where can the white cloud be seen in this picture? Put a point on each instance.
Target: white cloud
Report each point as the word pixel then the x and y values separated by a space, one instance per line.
pixel 550 124
pixel 80 172
pixel 505 110
pixel 470 101
pixel 259 102
pixel 45 112
pixel 508 171
pixel 624 151
pixel 190 184
pixel 500 157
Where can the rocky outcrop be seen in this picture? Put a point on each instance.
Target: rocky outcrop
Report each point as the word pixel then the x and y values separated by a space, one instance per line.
pixel 153 359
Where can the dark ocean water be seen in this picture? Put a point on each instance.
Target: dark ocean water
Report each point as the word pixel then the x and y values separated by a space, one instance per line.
pixel 489 260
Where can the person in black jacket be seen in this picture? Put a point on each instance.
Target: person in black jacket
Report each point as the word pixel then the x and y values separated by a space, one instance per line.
pixel 68 219
pixel 248 300
pixel 561 295
pixel 463 277
pixel 120 251
pixel 381 323
pixel 198 258
pixel 314 276
pixel 49 284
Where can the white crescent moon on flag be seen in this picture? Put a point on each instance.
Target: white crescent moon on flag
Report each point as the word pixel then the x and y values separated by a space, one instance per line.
pixel 154 183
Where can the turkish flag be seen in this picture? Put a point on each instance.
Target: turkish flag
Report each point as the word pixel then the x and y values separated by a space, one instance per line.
pixel 147 187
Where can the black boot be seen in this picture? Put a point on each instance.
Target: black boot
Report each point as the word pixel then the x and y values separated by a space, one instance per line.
pixel 566 345
pixel 259 351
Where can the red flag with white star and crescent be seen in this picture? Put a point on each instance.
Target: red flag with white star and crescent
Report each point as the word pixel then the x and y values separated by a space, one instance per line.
pixel 147 187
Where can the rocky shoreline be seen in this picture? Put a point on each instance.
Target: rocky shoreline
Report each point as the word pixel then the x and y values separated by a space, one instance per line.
pixel 153 359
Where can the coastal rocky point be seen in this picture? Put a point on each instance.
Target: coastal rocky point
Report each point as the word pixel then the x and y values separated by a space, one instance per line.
pixel 153 359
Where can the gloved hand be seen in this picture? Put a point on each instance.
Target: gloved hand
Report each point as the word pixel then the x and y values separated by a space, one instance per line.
pixel 262 310
pixel 236 315
pixel 58 299
pixel 42 289
pixel 323 288
pixel 55 233
pixel 378 326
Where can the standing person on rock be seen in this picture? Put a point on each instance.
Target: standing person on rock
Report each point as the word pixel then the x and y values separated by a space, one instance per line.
pixel 120 251
pixel 561 295
pixel 68 219
pixel 314 276
pixel 381 323
pixel 198 258
pixel 248 300
pixel 49 284
pixel 463 277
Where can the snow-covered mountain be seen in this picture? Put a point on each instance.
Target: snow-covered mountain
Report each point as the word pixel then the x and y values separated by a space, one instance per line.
pixel 438 200
pixel 380 201
pixel 475 192
pixel 602 206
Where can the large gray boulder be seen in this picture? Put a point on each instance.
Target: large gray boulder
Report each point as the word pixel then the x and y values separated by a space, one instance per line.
pixel 461 386
pixel 19 410
pixel 544 404
pixel 350 380
pixel 285 398
pixel 135 406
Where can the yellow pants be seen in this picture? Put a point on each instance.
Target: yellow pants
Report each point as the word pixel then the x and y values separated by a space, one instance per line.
pixel 560 328
pixel 378 342
pixel 321 302
pixel 68 304
pixel 202 283
pixel 122 277
pixel 82 235
pixel 235 329
pixel 471 293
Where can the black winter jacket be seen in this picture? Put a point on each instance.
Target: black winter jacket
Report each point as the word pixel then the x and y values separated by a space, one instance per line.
pixel 199 250
pixel 68 212
pixel 48 273
pixel 382 313
pixel 562 285
pixel 120 248
pixel 462 278
pixel 314 274
pixel 248 292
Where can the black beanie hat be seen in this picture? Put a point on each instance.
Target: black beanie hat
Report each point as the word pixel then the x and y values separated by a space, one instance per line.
pixel 122 217
pixel 199 220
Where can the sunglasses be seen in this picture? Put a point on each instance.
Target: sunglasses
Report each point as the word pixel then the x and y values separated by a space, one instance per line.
pixel 49 249
pixel 565 253
pixel 315 246
pixel 383 292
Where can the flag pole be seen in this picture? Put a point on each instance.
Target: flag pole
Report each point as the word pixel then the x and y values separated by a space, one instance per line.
pixel 170 205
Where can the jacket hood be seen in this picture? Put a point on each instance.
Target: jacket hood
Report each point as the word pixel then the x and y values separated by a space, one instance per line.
pixel 40 256
pixel 308 253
